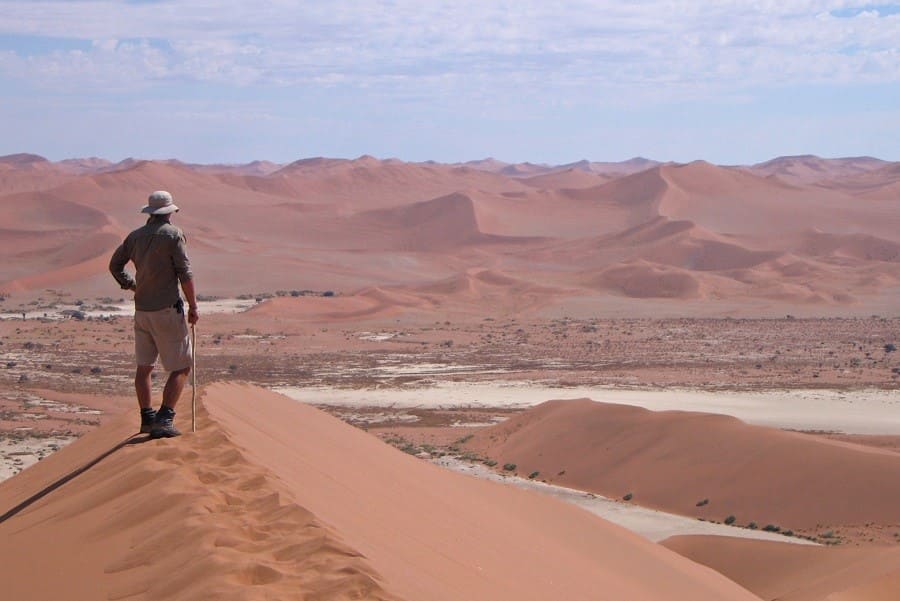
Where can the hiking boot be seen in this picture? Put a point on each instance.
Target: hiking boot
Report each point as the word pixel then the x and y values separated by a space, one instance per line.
pixel 164 424
pixel 148 416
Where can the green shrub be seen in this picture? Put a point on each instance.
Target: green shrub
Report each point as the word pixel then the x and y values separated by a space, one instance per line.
pixel 730 520
pixel 509 467
pixel 533 475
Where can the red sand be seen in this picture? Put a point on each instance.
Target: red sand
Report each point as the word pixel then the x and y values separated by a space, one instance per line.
pixel 272 498
pixel 672 460
pixel 795 572
pixel 587 234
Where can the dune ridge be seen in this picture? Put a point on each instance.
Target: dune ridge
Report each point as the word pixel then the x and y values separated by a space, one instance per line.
pixel 709 235
pixel 274 499
pixel 671 460
pixel 788 572
pixel 187 520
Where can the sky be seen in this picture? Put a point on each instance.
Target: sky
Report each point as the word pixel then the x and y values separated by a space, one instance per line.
pixel 209 81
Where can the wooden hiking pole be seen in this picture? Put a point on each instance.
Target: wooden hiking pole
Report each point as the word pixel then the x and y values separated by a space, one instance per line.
pixel 193 379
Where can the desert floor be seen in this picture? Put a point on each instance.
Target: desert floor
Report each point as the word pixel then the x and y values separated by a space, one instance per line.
pixel 423 384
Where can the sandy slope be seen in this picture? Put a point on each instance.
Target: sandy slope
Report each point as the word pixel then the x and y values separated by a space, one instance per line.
pixel 274 499
pixel 798 573
pixel 438 535
pixel 188 519
pixel 672 460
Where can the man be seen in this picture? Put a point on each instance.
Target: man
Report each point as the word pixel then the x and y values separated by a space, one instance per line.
pixel 158 252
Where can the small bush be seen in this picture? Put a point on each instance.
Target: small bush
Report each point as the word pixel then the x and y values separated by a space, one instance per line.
pixel 703 502
pixel 752 526
pixel 890 347
pixel 509 467
pixel 533 475
pixel 96 370
pixel 730 520
pixel 771 528
pixel 628 497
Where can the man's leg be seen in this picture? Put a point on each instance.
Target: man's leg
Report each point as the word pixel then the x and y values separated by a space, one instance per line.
pixel 142 386
pixel 174 387
pixel 164 424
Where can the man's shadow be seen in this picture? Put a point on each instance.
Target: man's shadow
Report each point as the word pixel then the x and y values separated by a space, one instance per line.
pixel 136 439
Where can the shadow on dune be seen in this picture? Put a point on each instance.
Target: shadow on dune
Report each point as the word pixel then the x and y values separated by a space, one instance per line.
pixel 136 439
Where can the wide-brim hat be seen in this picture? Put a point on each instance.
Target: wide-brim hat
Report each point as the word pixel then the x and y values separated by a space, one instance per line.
pixel 160 203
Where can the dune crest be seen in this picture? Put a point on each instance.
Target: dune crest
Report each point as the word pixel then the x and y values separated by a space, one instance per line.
pixel 672 459
pixel 275 499
pixel 185 520
pixel 788 572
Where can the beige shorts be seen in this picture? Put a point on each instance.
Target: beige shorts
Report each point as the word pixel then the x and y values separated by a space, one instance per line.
pixel 162 334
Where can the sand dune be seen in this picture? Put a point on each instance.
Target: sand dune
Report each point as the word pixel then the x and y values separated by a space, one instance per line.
pixel 808 169
pixel 437 535
pixel 673 460
pixel 566 179
pixel 797 573
pixel 188 520
pixel 274 499
pixel 695 231
pixel 882 184
pixel 643 280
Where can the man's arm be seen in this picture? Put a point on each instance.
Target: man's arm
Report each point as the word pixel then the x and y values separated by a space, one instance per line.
pixel 117 264
pixel 191 297
pixel 185 276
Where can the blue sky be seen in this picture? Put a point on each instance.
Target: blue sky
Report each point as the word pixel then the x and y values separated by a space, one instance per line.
pixel 732 82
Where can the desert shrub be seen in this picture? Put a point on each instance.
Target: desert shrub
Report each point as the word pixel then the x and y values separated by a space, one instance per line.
pixel 328 293
pixel 703 502
pixel 752 526
pixel 628 497
pixel 533 475
pixel 489 462
pixel 890 347
pixel 730 520
pixel 771 528
pixel 509 467
pixel 788 532
pixel 96 370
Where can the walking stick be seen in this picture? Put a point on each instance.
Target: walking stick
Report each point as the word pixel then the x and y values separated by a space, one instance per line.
pixel 193 379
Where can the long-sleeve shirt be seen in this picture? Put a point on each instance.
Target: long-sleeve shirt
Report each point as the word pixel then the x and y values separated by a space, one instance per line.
pixel 160 259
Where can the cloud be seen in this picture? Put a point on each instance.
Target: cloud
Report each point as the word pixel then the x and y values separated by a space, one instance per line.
pixel 587 48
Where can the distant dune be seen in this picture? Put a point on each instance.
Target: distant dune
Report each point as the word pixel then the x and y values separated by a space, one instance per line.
pixel 275 499
pixel 584 232
pixel 797 572
pixel 672 460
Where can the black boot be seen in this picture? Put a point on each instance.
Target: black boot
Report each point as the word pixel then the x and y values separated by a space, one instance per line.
pixel 164 424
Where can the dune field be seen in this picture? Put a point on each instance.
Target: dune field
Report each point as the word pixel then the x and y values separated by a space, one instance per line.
pixel 705 354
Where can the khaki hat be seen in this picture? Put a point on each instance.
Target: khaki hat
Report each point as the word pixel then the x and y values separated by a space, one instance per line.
pixel 160 203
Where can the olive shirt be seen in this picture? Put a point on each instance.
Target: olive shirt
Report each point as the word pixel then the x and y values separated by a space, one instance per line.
pixel 158 252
